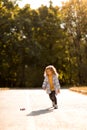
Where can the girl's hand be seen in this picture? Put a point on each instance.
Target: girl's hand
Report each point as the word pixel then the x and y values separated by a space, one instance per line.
pixel 57 91
pixel 44 88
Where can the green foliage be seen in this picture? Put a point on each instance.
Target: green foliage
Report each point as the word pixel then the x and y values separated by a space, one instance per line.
pixel 31 39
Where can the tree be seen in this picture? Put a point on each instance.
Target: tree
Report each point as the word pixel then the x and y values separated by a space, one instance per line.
pixel 31 39
pixel 8 57
pixel 73 13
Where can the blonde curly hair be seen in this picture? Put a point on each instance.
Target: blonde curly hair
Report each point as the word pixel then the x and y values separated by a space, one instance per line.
pixel 52 68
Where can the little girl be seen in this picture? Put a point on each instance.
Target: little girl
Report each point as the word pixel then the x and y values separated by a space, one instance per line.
pixel 51 84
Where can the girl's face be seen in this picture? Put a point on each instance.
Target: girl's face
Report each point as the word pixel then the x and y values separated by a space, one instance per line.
pixel 49 72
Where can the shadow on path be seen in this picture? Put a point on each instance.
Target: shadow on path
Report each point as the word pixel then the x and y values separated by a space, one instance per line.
pixel 40 112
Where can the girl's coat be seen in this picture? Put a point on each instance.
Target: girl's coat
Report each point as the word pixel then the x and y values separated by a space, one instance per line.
pixel 46 84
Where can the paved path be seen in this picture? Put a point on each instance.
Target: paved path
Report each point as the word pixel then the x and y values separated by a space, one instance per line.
pixel 71 115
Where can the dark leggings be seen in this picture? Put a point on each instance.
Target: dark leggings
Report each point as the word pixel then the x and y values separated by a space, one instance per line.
pixel 53 97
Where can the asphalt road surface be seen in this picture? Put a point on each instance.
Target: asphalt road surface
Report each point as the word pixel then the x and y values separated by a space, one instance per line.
pixel 31 110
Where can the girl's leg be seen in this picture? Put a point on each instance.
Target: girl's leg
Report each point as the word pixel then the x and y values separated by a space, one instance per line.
pixel 53 98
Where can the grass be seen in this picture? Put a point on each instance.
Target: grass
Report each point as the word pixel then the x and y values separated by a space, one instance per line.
pixel 80 89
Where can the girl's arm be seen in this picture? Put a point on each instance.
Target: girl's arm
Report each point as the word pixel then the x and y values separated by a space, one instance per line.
pixel 57 85
pixel 44 83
